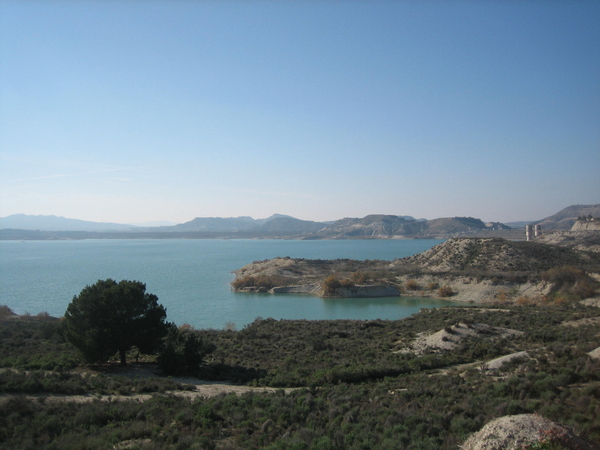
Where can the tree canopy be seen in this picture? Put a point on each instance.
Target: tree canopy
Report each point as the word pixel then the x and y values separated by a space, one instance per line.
pixel 109 317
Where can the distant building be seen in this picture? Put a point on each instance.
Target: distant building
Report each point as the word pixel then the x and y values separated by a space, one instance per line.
pixel 532 231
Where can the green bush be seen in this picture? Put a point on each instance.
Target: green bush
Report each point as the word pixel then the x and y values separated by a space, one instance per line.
pixel 5 311
pixel 183 351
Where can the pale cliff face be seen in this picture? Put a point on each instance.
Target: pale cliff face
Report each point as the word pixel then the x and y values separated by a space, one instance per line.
pixel 586 226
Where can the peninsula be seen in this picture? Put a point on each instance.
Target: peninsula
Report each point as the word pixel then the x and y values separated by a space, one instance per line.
pixel 475 270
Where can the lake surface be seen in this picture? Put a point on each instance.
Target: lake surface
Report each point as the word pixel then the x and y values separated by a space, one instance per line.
pixel 191 277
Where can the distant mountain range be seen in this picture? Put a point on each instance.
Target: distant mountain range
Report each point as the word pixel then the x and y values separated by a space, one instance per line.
pixel 21 226
pixel 54 223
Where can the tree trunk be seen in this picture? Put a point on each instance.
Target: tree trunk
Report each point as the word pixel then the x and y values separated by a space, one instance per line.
pixel 123 357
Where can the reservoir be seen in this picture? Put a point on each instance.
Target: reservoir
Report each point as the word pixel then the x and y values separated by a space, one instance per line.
pixel 191 277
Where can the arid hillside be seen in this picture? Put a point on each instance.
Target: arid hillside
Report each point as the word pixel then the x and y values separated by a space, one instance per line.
pixel 465 269
pixel 497 255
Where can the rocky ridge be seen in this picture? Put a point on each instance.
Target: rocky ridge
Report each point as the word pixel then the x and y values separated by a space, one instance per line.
pixel 494 255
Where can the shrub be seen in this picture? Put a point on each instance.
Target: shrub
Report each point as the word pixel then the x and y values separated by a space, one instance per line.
pixel 433 286
pixel 523 300
pixel 564 274
pixel 360 278
pixel 330 285
pixel 5 311
pixel 183 351
pixel 571 283
pixel 261 281
pixel 501 296
pixel 445 291
pixel 585 287
pixel 411 285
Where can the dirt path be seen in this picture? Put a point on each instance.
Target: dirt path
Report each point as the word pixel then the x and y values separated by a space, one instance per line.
pixel 205 390
pixel 201 388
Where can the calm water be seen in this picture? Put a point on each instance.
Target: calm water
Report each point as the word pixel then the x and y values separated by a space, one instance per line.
pixel 191 277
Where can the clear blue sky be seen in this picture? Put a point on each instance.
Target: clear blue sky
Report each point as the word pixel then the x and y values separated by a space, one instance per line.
pixel 133 111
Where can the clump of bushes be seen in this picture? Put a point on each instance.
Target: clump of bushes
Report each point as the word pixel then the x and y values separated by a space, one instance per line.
pixel 571 283
pixel 183 351
pixel 360 277
pixel 5 311
pixel 445 291
pixel 261 282
pixel 330 284
pixel 433 286
pixel 563 274
pixel 411 285
pixel 33 344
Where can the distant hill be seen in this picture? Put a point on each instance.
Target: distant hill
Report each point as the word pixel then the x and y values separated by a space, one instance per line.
pixel 565 218
pixel 156 223
pixel 54 223
pixel 221 224
pixel 274 216
pixel 291 225
pixel 460 225
pixel 385 226
pixel 277 224
pixel 372 226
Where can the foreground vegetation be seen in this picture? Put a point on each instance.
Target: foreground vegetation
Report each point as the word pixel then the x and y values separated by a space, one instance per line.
pixel 356 389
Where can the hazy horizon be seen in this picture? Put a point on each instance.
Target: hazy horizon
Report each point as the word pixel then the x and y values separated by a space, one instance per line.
pixel 158 223
pixel 132 112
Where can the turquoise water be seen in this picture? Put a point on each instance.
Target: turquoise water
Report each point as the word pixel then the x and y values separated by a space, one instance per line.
pixel 191 277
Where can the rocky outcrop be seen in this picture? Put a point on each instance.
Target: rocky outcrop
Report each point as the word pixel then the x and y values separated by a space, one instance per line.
pixel 595 354
pixel 314 289
pixel 588 225
pixel 497 363
pixel 472 289
pixel 523 430
pixel 360 291
pixel 450 337
pixel 368 290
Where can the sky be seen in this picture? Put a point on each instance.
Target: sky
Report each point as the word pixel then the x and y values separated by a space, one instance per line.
pixel 134 111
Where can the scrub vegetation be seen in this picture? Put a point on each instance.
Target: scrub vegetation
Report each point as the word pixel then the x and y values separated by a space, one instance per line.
pixel 359 383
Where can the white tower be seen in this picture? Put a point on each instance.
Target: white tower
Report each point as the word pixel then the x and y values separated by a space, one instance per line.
pixel 528 232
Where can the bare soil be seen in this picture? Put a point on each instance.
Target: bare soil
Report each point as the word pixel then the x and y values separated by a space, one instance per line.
pixel 199 388
pixel 450 337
